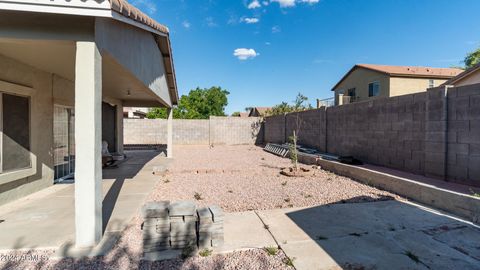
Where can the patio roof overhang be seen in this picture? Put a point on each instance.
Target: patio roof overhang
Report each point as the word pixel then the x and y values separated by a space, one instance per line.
pixel 118 13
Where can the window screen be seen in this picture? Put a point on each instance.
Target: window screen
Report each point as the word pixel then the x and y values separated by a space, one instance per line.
pixel 16 132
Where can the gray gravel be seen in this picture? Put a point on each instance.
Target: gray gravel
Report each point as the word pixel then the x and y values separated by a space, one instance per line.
pixel 240 178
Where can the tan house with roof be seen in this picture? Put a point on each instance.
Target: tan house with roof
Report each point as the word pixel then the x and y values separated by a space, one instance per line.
pixel 469 76
pixel 67 69
pixel 365 81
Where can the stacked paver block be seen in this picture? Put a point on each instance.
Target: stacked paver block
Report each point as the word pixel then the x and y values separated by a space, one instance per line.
pixel 210 227
pixel 183 223
pixel 156 226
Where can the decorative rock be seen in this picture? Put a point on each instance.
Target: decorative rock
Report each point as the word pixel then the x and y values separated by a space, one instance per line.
pixel 182 208
pixel 155 210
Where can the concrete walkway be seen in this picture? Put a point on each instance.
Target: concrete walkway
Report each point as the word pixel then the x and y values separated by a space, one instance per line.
pixel 377 235
pixel 46 219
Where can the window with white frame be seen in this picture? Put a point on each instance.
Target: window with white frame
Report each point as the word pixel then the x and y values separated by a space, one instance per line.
pixel 374 89
pixel 15 132
pixel 431 83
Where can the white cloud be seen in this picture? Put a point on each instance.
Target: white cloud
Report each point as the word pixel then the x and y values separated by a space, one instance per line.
pixel 268 43
pixel 244 53
pixel 292 3
pixel 251 20
pixel 210 22
pixel 186 24
pixel 276 29
pixel 311 2
pixel 254 4
pixel 285 3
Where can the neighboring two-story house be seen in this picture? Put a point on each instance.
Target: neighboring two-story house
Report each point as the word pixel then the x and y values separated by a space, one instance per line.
pixel 365 81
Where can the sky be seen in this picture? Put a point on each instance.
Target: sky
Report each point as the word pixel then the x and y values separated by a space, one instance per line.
pixel 267 51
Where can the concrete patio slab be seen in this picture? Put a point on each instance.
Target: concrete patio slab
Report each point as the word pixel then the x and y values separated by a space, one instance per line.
pixel 46 220
pixel 377 235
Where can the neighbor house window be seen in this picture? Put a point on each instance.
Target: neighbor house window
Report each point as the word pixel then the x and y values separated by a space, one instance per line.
pixel 351 93
pixel 373 89
pixel 15 132
pixel 431 83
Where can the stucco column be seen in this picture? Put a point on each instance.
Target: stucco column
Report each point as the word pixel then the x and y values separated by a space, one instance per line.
pixel 170 133
pixel 88 145
pixel 340 99
pixel 119 130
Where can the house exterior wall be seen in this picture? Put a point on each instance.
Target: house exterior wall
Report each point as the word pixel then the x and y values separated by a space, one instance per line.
pixel 402 85
pixel 470 79
pixel 41 129
pixel 359 79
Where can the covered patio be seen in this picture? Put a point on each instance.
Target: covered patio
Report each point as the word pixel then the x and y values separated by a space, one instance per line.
pixel 45 220
pixel 66 72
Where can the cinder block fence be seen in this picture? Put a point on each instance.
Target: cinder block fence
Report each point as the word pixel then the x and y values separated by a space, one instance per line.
pixel 216 130
pixel 434 133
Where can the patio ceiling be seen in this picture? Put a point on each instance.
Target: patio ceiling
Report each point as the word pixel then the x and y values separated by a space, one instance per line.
pixel 58 57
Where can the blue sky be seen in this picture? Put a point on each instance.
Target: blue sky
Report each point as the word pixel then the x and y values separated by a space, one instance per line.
pixel 265 52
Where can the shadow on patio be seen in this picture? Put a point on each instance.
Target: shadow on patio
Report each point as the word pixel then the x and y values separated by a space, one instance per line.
pixel 46 219
pixel 375 235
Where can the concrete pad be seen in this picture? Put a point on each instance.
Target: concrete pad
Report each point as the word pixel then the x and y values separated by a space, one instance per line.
pixel 46 219
pixel 244 230
pixel 376 235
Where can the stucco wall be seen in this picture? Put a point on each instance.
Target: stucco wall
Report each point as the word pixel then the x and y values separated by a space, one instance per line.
pixel 275 129
pixel 216 130
pixel 142 57
pixel 41 121
pixel 359 79
pixel 403 86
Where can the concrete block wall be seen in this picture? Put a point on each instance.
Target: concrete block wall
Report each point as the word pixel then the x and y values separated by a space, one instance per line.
pixel 434 133
pixel 217 130
pixel 385 131
pixel 309 127
pixel 236 130
pixel 463 136
pixel 275 129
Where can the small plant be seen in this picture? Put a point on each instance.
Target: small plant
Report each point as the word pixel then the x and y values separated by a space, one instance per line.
pixel 197 196
pixel 321 237
pixel 272 251
pixel 284 183
pixel 286 200
pixel 474 194
pixel 412 256
pixel 288 261
pixel 293 150
pixel 205 253
pixel 187 252
pixel 166 181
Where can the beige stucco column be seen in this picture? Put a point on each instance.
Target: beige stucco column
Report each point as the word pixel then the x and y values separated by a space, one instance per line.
pixel 88 145
pixel 170 133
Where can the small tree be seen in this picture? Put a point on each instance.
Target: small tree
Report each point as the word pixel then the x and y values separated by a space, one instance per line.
pixel 293 150
pixel 472 59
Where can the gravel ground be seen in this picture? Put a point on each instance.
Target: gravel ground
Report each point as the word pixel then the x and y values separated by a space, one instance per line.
pixel 237 178
pixel 240 178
